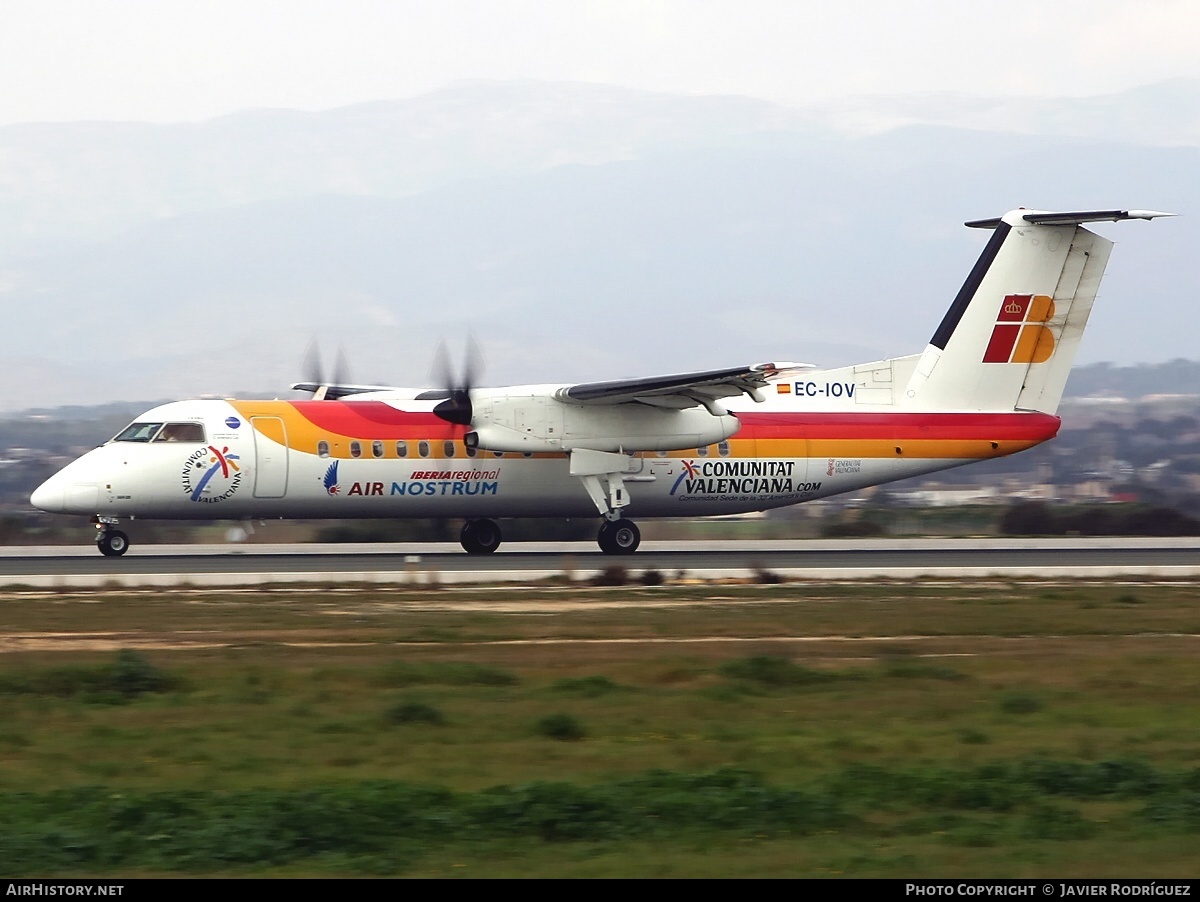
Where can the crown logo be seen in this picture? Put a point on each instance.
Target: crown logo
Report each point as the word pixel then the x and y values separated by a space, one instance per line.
pixel 1012 307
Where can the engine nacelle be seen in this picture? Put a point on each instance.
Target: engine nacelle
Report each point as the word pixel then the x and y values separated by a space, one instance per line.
pixel 537 422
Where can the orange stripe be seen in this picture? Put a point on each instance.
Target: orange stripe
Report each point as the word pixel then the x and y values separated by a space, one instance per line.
pixel 891 450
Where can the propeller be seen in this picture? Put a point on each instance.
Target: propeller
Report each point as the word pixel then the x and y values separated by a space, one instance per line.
pixel 314 372
pixel 457 407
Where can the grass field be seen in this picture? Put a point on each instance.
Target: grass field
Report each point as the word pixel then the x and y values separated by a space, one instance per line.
pixel 947 729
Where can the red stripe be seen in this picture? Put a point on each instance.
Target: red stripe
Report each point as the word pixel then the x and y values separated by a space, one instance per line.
pixel 373 419
pixel 377 420
pixel 945 426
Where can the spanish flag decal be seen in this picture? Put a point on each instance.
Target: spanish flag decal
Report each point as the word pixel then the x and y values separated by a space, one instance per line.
pixel 1020 334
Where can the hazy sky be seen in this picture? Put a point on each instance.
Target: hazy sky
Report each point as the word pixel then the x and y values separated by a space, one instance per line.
pixel 163 60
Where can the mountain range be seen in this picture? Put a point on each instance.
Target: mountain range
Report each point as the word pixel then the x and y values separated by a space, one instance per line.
pixel 576 231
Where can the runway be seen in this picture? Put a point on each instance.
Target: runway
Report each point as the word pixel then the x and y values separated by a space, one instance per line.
pixel 444 563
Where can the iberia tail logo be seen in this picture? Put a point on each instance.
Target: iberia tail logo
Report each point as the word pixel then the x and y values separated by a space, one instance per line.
pixel 1020 335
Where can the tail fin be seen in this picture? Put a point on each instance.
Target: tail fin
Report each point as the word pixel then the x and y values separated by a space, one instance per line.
pixel 1010 337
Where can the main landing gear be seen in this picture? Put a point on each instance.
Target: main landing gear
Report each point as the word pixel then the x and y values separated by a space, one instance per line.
pixel 598 470
pixel 483 537
pixel 111 542
pixel 619 536
pixel 480 536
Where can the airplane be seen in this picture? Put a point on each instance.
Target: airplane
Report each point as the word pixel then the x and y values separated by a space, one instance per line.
pixel 714 442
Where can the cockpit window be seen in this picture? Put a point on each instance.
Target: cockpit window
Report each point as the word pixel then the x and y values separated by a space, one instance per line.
pixel 181 432
pixel 138 432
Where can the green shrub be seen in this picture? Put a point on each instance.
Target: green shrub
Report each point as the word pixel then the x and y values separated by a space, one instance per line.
pixel 399 674
pixel 907 668
pixel 1115 777
pixel 585 687
pixel 132 675
pixel 1020 703
pixel 415 712
pixel 1055 822
pixel 1176 810
pixel 770 670
pixel 563 727
pixel 128 676
pixel 864 527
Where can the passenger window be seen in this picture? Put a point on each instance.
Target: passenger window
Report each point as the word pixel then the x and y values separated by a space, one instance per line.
pixel 181 432
pixel 423 448
pixel 138 432
pixel 377 449
pixel 402 449
pixel 471 452
pixel 723 448
pixel 497 454
pixel 702 452
pixel 356 449
pixel 322 449
pixel 448 448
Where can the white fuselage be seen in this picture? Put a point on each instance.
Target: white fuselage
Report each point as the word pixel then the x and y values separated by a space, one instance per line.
pixel 336 459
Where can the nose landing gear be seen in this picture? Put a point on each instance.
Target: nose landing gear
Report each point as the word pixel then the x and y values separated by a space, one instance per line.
pixel 111 542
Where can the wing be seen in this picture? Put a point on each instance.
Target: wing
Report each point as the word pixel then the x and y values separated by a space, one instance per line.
pixel 682 390
pixel 323 391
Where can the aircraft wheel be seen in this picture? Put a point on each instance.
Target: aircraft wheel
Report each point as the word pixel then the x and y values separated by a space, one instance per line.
pixel 619 537
pixel 480 536
pixel 113 543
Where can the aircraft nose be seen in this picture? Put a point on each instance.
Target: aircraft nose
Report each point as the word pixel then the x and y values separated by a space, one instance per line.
pixel 62 494
pixel 49 496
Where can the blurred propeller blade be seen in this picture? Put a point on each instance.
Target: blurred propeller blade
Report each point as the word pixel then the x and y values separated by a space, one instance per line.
pixel 313 372
pixel 311 368
pixel 341 368
pixel 457 408
pixel 472 364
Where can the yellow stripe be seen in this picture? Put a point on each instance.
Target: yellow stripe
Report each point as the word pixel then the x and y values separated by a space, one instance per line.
pixel 928 449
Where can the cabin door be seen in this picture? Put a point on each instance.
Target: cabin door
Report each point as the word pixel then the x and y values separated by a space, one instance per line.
pixel 270 457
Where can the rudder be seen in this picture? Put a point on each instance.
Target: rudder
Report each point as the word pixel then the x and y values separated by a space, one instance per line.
pixel 1009 339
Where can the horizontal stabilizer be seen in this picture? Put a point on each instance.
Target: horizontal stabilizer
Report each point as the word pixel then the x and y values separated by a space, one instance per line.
pixel 1039 217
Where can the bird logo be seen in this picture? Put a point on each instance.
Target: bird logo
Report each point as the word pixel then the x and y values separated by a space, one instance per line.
pixel 331 479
